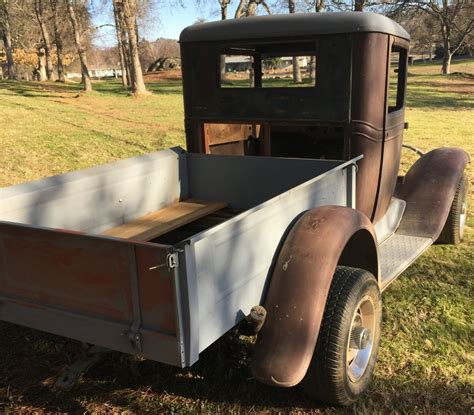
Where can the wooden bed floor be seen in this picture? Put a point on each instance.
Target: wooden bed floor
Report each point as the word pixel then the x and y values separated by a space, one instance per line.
pixel 163 221
pixel 197 226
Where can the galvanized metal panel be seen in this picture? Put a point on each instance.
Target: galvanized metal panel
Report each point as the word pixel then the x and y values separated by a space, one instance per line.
pixel 245 182
pixel 95 199
pixel 233 259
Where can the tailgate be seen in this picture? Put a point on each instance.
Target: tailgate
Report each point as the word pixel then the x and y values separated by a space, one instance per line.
pixel 109 292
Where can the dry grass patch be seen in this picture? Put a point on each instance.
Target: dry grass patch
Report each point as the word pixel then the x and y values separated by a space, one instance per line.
pixel 425 361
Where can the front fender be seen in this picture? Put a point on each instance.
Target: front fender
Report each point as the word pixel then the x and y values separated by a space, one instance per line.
pixel 299 287
pixel 428 190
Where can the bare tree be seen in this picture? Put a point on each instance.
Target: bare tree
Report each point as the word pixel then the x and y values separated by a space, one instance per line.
pixel 318 6
pixel 127 14
pixel 121 46
pixel 247 8
pixel 72 5
pixel 455 22
pixel 224 4
pixel 240 11
pixel 6 35
pixel 58 39
pixel 39 12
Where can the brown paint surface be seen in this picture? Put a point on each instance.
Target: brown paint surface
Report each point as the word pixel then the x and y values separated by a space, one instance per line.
pixel 298 291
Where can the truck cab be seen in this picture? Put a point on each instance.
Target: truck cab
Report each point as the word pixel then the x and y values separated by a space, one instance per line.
pixel 350 100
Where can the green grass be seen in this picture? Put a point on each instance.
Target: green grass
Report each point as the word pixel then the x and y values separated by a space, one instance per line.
pixel 50 129
pixel 425 360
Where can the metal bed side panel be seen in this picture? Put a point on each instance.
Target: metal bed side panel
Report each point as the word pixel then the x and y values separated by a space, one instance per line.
pixel 101 197
pixel 110 292
pixel 233 261
pixel 245 182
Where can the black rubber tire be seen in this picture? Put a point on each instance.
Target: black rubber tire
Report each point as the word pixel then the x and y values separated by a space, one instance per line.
pixel 452 233
pixel 327 379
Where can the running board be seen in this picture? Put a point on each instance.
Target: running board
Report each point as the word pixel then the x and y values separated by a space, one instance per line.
pixel 397 253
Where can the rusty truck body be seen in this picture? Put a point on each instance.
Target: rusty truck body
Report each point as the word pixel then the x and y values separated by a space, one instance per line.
pixel 288 197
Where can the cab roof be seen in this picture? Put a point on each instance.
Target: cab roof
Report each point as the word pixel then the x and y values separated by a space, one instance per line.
pixel 292 25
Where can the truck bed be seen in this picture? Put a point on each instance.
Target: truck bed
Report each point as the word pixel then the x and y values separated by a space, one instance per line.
pixel 118 256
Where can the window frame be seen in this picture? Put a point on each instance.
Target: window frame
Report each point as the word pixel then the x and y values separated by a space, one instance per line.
pixel 259 52
pixel 401 72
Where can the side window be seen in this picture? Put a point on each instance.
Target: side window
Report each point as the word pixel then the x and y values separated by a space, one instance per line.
pixel 237 71
pixel 268 65
pixel 397 78
pixel 278 71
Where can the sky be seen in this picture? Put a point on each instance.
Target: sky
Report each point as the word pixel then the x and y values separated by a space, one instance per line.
pixel 169 23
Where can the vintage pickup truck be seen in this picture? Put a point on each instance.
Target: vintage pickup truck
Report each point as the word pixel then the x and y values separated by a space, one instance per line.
pixel 287 198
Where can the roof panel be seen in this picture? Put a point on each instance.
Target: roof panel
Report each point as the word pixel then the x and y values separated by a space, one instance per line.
pixel 286 25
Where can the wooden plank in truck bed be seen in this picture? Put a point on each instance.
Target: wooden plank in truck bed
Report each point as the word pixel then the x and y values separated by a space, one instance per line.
pixel 165 220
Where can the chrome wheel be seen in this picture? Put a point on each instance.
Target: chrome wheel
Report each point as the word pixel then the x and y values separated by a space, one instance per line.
pixel 360 341
pixel 348 340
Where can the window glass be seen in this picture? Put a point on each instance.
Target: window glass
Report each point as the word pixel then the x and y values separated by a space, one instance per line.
pixel 279 71
pixel 237 71
pixel 268 65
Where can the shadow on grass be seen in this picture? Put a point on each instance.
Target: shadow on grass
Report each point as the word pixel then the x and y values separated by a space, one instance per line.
pixel 439 91
pixel 221 377
pixel 220 382
pixel 428 100
pixel 43 89
pixel 109 87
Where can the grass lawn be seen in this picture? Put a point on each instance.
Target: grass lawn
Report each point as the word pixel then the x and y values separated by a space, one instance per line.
pixel 425 361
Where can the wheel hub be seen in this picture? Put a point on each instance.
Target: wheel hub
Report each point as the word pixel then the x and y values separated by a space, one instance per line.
pixel 360 341
pixel 360 338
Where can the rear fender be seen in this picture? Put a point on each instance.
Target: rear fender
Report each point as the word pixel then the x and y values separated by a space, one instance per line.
pixel 320 240
pixel 428 189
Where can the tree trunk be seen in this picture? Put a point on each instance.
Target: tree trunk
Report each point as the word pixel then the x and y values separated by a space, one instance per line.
pixel 120 46
pixel 447 54
pixel 312 69
pixel 446 69
pixel 125 42
pixel 42 74
pixel 240 12
pixel 46 38
pixel 79 46
pixel 296 65
pixel 224 4
pixel 7 38
pixel 58 40
pixel 130 9
pixel 359 5
pixel 319 6
pixel 251 8
pixel 223 10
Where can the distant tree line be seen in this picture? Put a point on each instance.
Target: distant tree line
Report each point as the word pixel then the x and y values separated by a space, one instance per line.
pixel 444 25
pixel 47 35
